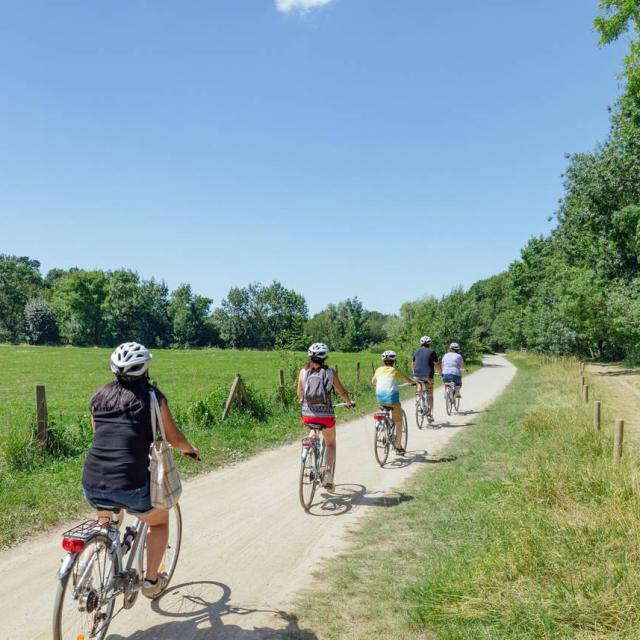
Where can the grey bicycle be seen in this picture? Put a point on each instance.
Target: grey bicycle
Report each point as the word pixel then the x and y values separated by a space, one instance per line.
pixel 100 565
pixel 313 463
pixel 385 433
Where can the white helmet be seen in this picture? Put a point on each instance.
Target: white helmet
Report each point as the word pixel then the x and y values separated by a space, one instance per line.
pixel 318 350
pixel 455 346
pixel 425 340
pixel 130 360
pixel 389 355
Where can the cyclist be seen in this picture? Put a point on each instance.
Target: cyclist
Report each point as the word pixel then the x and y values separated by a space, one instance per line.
pixel 452 366
pixel 116 468
pixel 315 383
pixel 385 380
pixel 425 362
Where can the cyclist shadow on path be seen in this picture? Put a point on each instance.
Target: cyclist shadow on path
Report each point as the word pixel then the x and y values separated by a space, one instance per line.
pixel 198 609
pixel 348 497
pixel 421 457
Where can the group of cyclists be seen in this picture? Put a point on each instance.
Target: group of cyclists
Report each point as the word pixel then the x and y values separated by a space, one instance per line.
pixel 116 467
pixel 317 380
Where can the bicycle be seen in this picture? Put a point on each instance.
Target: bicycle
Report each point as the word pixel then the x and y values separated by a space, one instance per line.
pixel 451 399
pixel 385 433
pixel 93 573
pixel 422 408
pixel 313 465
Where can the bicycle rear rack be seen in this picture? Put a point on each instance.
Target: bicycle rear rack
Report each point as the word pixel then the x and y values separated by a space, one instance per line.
pixel 84 530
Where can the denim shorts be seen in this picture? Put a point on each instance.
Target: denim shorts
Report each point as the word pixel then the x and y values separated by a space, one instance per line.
pixel 452 377
pixel 136 501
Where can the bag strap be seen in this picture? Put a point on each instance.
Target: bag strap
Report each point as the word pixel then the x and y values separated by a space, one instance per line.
pixel 156 417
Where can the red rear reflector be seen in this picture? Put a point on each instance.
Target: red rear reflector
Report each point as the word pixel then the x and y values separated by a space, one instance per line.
pixel 72 545
pixel 379 416
pixel 307 442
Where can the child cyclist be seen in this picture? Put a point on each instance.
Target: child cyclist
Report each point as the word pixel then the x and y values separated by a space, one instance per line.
pixel 315 383
pixel 385 380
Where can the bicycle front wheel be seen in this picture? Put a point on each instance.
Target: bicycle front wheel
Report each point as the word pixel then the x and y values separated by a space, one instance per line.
pixel 308 479
pixel 405 431
pixel 170 556
pixel 84 603
pixel 381 443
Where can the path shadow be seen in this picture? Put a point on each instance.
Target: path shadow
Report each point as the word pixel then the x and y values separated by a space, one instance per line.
pixel 197 611
pixel 347 497
pixel 620 372
pixel 492 366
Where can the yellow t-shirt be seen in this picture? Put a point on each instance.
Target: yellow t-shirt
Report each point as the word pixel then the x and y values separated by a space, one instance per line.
pixel 387 384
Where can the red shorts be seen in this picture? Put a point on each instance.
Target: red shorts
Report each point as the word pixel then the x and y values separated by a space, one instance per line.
pixel 328 422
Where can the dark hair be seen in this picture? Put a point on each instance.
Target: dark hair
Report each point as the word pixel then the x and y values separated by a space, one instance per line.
pixel 124 394
pixel 315 360
pixel 389 362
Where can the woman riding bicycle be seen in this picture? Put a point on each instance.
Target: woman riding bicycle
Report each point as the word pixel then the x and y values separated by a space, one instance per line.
pixel 116 468
pixel 315 383
pixel 452 365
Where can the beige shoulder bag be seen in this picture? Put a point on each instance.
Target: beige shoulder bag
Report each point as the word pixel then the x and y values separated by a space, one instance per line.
pixel 166 487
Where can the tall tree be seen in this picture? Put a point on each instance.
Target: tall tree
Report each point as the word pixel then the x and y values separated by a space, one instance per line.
pixel 20 280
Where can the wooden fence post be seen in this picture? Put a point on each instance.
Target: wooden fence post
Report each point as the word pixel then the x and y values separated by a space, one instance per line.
pixel 581 368
pixel 233 393
pixel 283 393
pixel 585 393
pixel 618 436
pixel 373 368
pixel 581 382
pixel 357 372
pixel 596 415
pixel 41 414
pixel 335 367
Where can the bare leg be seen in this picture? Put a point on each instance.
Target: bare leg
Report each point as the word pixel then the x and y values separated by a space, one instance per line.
pixel 430 397
pixel 330 443
pixel 397 418
pixel 157 538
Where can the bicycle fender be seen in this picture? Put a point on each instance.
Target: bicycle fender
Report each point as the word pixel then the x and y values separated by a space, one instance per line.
pixel 65 566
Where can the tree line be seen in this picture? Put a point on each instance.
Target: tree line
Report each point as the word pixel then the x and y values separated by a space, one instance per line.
pixel 102 308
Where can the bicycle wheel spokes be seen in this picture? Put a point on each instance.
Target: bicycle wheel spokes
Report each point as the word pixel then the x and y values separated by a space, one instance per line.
pixel 448 400
pixel 308 478
pixel 405 431
pixel 381 442
pixel 84 600
pixel 170 556
pixel 420 411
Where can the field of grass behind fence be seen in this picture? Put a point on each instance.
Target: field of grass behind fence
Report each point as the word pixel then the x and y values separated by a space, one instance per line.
pixel 532 532
pixel 40 486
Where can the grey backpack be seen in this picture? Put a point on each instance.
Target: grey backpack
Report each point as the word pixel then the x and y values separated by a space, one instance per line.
pixel 317 386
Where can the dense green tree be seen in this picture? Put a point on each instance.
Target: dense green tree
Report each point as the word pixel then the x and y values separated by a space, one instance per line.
pixel 188 314
pixel 40 326
pixel 20 280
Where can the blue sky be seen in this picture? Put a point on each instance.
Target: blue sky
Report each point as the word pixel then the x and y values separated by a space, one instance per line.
pixel 384 149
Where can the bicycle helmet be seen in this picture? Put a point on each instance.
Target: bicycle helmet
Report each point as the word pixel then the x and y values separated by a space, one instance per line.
pixel 318 350
pixel 130 360
pixel 425 340
pixel 389 355
pixel 454 346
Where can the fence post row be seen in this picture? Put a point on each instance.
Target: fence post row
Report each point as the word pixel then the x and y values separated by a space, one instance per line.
pixel 618 435
pixel 41 414
pixel 596 415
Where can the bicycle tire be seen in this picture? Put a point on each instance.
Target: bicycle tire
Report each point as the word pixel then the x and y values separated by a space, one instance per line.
pixel 381 442
pixel 420 414
pixel 457 403
pixel 405 431
pixel 63 629
pixel 172 552
pixel 448 401
pixel 308 479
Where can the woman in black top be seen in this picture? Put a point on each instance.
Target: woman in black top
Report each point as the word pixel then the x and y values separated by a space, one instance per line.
pixel 116 469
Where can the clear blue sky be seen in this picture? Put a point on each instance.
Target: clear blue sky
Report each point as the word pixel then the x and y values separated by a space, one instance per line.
pixel 384 149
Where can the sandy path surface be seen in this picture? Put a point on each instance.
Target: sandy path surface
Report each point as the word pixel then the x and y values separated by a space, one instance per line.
pixel 248 546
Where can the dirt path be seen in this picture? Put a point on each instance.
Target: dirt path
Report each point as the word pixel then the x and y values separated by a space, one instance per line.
pixel 248 547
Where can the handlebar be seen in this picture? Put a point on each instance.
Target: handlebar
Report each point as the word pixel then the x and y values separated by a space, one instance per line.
pixel 344 405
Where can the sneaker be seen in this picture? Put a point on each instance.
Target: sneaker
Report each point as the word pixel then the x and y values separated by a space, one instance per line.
pixel 327 481
pixel 430 419
pixel 400 451
pixel 154 589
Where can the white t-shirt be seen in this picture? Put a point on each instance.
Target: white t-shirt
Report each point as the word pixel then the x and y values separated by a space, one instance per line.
pixel 452 363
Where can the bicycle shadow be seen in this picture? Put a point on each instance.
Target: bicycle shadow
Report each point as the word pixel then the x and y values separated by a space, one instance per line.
pixel 420 457
pixel 348 497
pixel 198 609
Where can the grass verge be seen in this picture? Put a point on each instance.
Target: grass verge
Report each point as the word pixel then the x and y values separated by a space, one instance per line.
pixel 531 533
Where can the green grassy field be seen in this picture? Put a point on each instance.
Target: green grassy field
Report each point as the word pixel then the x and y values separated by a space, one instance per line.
pixel 41 486
pixel 531 533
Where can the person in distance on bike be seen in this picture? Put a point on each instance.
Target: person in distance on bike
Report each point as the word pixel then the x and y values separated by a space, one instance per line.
pixel 385 380
pixel 116 467
pixel 315 383
pixel 452 366
pixel 424 364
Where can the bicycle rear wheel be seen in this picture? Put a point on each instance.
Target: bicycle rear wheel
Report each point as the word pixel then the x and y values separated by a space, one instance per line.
pixel 170 557
pixel 448 401
pixel 381 442
pixel 456 400
pixel 308 478
pixel 81 608
pixel 405 431
pixel 420 411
